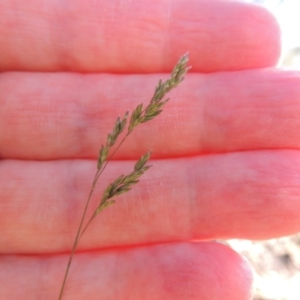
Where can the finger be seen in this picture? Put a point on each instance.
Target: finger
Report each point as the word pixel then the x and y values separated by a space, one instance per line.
pixel 89 36
pixel 170 271
pixel 237 195
pixel 50 116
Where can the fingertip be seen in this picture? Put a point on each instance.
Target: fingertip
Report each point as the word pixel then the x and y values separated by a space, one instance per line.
pixel 229 35
pixel 238 274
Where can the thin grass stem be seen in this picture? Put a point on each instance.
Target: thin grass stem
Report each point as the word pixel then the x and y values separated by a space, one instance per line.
pixel 78 235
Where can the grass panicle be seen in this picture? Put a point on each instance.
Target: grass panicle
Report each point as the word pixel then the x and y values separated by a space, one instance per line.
pixel 157 102
pixel 124 183
pixel 111 139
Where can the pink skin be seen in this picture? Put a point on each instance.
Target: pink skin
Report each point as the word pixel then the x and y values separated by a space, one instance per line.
pixel 226 159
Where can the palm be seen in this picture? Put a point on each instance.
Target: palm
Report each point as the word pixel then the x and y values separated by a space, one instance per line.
pixel 220 165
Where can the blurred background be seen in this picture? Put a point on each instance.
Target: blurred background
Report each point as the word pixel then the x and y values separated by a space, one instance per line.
pixel 277 262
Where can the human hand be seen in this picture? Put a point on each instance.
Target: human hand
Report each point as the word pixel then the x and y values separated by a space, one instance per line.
pixel 222 168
